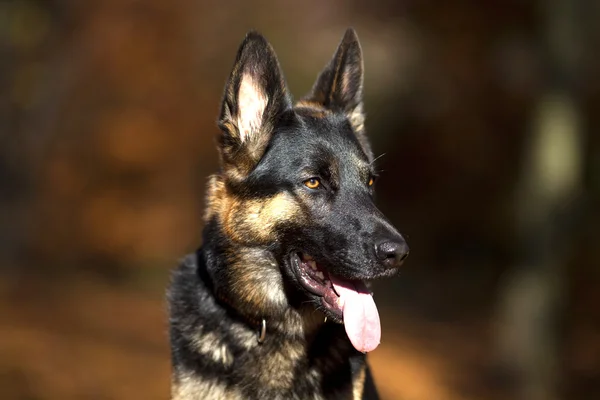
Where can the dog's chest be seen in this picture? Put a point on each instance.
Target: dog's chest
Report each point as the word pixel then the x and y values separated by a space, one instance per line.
pixel 276 369
pixel 291 370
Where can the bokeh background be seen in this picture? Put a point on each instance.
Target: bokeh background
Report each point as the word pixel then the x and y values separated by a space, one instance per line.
pixel 487 113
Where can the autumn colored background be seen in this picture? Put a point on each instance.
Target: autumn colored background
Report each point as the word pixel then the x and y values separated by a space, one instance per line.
pixel 487 113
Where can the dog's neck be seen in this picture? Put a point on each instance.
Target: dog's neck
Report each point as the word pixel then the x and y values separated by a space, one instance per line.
pixel 248 282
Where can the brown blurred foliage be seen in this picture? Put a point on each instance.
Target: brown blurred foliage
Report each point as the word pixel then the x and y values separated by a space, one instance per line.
pixel 107 131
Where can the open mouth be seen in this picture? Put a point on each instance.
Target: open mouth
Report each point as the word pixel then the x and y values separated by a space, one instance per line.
pixel 345 301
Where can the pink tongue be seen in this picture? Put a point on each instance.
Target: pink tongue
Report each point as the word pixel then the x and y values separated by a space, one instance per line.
pixel 361 318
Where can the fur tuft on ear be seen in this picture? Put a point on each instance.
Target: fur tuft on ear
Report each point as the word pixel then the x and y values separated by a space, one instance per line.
pixel 339 87
pixel 255 95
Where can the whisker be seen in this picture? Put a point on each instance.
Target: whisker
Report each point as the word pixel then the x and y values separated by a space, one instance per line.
pixel 377 158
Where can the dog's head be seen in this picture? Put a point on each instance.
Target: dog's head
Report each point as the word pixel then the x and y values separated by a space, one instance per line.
pixel 299 181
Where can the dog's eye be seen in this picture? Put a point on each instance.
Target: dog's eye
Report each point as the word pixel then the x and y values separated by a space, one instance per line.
pixel 312 183
pixel 371 181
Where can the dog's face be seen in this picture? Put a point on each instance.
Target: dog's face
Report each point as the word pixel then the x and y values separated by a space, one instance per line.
pixel 299 179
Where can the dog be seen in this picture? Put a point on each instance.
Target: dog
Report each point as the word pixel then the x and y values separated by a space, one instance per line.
pixel 275 304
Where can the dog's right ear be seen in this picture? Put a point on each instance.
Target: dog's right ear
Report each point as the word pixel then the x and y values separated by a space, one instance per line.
pixel 255 95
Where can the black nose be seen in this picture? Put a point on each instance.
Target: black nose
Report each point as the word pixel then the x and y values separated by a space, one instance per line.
pixel 392 252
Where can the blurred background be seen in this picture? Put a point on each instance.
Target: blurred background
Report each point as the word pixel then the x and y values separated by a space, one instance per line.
pixel 487 114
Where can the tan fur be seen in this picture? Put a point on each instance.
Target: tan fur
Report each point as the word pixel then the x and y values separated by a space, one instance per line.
pixel 245 160
pixel 358 385
pixel 357 120
pixel 312 108
pixel 259 217
pixel 252 103
pixel 277 368
pixel 248 221
pixel 214 195
pixel 211 346
pixel 256 277
pixel 244 337
pixel 188 387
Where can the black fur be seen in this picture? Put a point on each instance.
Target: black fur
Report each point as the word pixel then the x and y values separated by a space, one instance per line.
pixel 262 215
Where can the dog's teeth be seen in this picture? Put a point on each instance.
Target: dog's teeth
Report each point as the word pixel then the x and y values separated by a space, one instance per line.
pixel 320 275
pixel 313 265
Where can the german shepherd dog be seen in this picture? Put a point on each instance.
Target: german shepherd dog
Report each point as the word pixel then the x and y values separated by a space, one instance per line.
pixel 275 304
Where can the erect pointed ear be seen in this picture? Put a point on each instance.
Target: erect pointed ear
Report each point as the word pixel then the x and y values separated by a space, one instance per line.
pixel 339 86
pixel 255 95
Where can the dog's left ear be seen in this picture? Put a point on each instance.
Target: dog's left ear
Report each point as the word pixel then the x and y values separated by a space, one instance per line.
pixel 339 86
pixel 255 96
